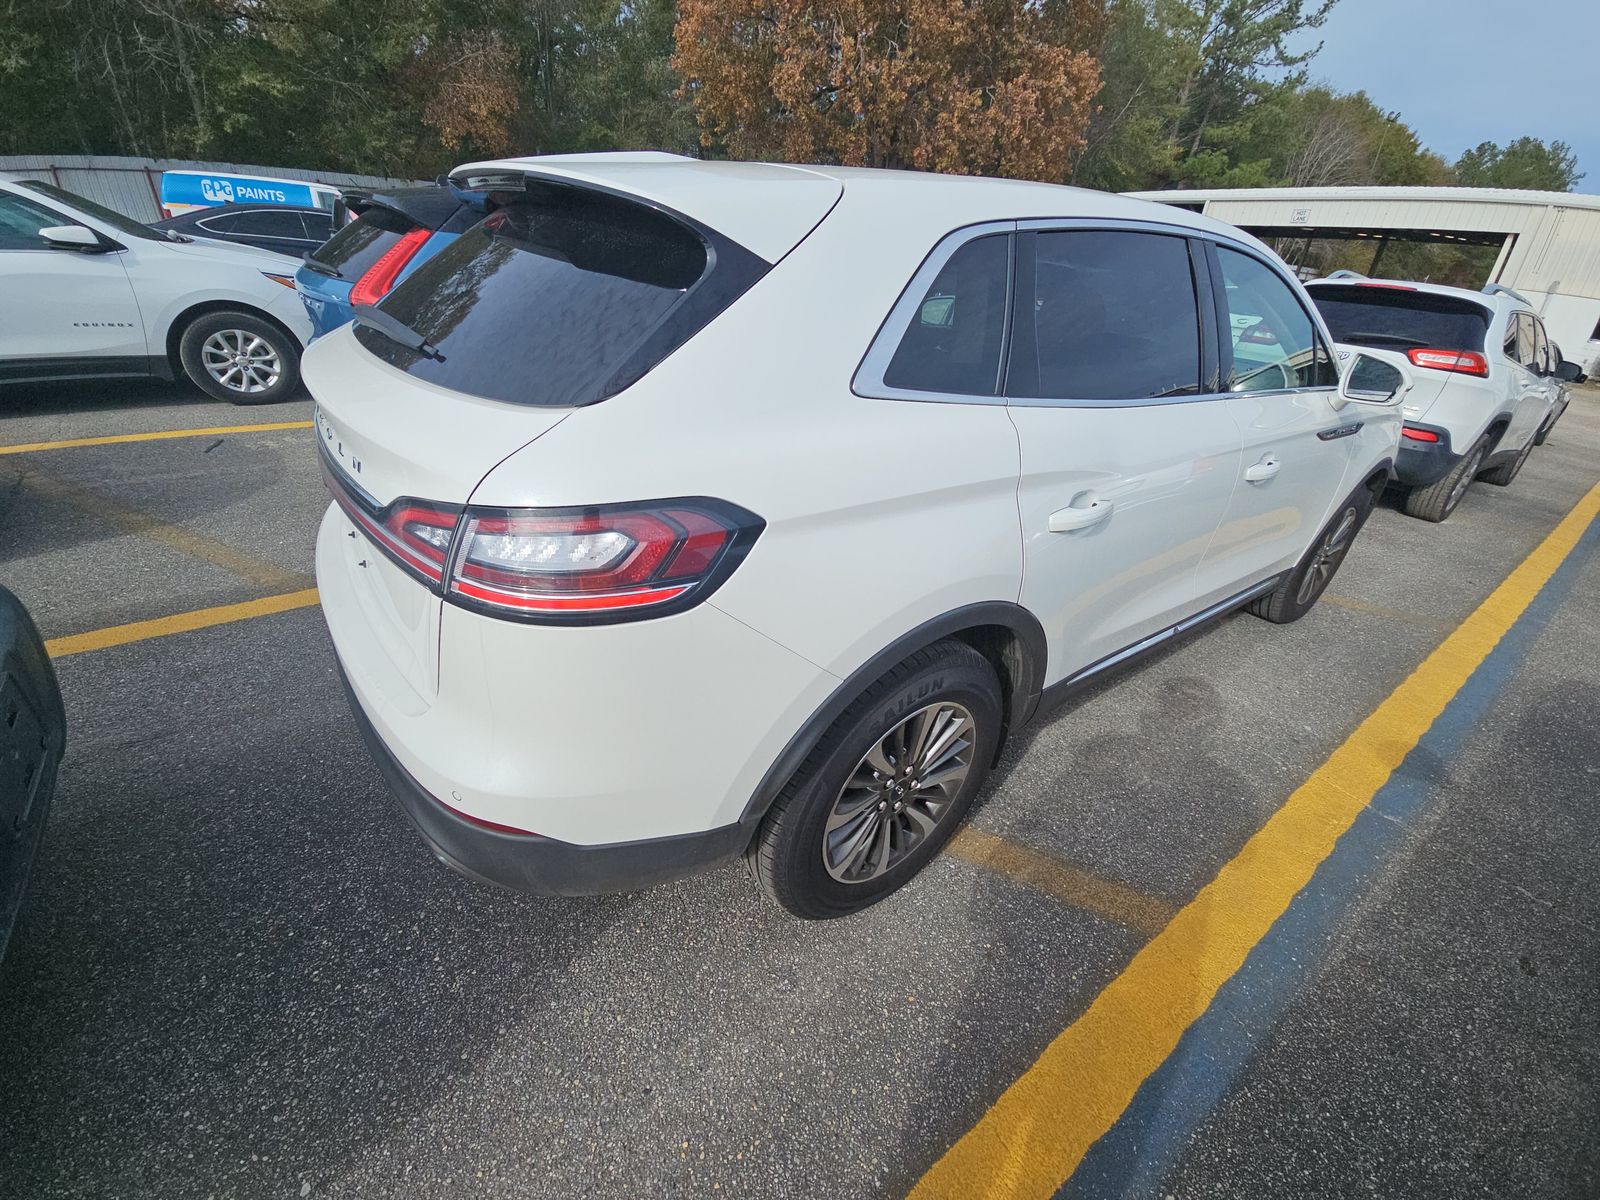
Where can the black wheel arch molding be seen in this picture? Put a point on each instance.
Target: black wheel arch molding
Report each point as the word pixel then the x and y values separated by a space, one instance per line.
pixel 1007 634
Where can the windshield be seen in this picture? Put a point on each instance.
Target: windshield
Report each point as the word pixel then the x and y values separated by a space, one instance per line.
pixel 563 297
pixel 123 225
pixel 1389 317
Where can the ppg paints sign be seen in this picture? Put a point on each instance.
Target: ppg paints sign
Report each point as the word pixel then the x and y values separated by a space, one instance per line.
pixel 185 190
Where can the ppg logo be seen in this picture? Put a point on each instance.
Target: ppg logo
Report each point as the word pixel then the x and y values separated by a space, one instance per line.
pixel 218 191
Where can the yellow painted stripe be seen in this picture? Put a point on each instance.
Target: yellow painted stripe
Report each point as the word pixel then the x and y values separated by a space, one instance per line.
pixel 248 567
pixel 202 618
pixel 162 435
pixel 1116 901
pixel 1033 1137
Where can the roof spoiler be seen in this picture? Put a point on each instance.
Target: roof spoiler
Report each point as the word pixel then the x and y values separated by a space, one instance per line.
pixel 1347 275
pixel 1500 289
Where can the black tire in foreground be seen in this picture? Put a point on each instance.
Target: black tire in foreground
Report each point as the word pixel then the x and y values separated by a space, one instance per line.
pixel 1298 592
pixel 1439 499
pixel 885 788
pixel 240 357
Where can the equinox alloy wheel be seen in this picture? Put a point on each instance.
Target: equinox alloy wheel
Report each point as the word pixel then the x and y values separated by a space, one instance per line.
pixel 885 787
pixel 240 357
pixel 899 792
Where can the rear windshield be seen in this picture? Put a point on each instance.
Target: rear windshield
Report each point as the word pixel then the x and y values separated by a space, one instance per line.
pixel 1375 316
pixel 362 242
pixel 562 297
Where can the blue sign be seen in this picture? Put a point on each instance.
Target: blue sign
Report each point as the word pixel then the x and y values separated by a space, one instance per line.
pixel 193 188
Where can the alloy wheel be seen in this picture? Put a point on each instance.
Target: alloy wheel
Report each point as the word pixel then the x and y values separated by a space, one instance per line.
pixel 241 361
pixel 898 793
pixel 1327 558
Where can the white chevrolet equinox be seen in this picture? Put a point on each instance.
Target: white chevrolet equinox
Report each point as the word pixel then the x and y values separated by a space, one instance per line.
pixel 689 510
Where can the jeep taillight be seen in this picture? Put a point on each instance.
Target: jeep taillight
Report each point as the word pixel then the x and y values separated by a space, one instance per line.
pixel 1461 362
pixel 612 562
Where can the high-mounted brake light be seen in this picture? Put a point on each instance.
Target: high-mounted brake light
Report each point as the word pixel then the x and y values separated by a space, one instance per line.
pixel 1417 434
pixel 1389 287
pixel 379 278
pixel 1460 362
pixel 605 563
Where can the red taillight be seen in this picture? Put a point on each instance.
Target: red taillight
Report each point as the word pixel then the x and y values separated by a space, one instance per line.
pixel 597 562
pixel 415 533
pixel 374 285
pixel 1461 362
pixel 1418 435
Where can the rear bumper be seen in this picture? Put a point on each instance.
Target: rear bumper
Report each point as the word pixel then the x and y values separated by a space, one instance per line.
pixel 1421 463
pixel 542 865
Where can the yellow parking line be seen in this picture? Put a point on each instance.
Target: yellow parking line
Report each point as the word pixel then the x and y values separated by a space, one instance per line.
pixel 197 545
pixel 203 618
pixel 1116 901
pixel 1033 1137
pixel 113 439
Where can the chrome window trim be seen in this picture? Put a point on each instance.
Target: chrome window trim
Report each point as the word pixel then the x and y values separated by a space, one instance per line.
pixel 868 379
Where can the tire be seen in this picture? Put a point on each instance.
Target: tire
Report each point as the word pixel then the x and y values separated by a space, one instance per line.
pixel 1298 592
pixel 211 343
pixel 817 873
pixel 1502 475
pixel 1544 432
pixel 1440 498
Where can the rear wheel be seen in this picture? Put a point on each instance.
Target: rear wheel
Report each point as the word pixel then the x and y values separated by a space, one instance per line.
pixel 885 788
pixel 1298 592
pixel 1503 474
pixel 1439 499
pixel 240 357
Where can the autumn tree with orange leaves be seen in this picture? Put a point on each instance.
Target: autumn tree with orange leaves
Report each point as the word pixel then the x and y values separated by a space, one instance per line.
pixel 968 86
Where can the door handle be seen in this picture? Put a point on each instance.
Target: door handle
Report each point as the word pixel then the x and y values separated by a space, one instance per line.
pixel 1065 520
pixel 1263 470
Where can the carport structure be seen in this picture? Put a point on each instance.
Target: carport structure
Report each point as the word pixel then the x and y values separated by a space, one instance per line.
pixel 1549 242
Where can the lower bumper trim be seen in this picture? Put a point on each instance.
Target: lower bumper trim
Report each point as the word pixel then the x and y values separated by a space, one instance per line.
pixel 534 863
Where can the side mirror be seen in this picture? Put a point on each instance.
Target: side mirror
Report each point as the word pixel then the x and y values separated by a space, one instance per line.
pixel 70 237
pixel 1569 372
pixel 1373 380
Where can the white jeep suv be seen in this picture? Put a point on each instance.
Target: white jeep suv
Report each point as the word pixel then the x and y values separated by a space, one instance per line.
pixel 1486 390
pixel 686 510
pixel 86 292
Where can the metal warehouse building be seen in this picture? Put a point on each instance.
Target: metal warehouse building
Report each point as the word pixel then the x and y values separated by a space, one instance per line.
pixel 1549 241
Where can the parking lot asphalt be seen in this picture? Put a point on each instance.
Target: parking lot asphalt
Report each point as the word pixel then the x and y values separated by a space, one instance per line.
pixel 240 974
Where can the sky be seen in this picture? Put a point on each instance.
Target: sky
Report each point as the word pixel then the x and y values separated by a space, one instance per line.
pixel 1461 72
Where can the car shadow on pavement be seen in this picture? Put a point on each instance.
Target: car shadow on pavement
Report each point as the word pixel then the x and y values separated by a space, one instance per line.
pixel 122 395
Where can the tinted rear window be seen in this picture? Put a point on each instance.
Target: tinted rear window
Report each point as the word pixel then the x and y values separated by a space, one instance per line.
pixel 562 298
pixel 362 242
pixel 1372 316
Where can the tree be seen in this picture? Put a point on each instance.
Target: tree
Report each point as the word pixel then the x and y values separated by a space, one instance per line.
pixel 976 87
pixel 1524 163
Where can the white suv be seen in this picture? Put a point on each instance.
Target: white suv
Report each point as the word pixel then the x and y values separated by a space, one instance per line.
pixel 1487 390
pixel 687 510
pixel 86 292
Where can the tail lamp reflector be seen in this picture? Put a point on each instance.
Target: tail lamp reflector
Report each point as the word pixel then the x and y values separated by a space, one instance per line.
pixel 1418 435
pixel 379 278
pixel 1461 362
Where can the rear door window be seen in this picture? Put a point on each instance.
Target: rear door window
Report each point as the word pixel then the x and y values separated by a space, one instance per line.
pixel 1392 319
pixel 1104 315
pixel 363 242
pixel 562 297
pixel 1273 340
pixel 1527 354
pixel 954 340
pixel 269 222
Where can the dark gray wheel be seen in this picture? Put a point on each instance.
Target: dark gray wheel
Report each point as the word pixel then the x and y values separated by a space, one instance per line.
pixel 1439 499
pixel 240 357
pixel 885 787
pixel 1298 592
pixel 1502 475
pixel 899 792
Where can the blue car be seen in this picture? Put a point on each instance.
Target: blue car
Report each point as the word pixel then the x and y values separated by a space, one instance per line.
pixel 393 234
